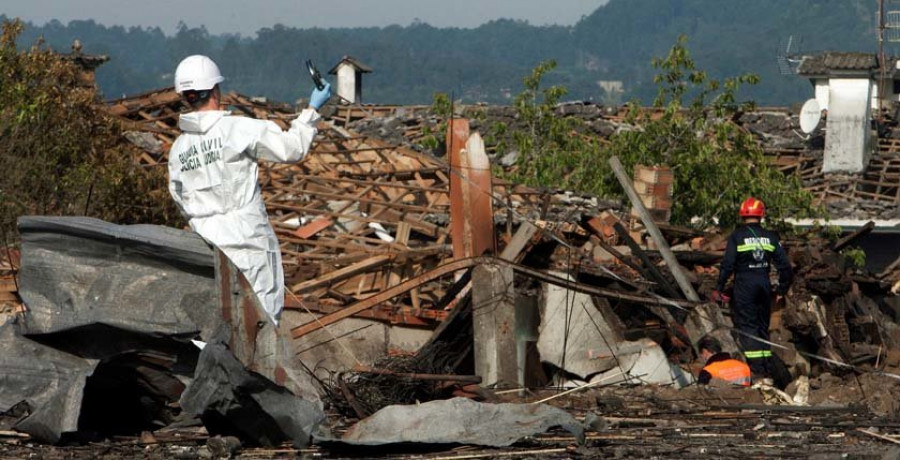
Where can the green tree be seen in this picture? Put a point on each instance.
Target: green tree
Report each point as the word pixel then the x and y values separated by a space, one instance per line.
pixel 553 150
pixel 61 154
pixel 716 163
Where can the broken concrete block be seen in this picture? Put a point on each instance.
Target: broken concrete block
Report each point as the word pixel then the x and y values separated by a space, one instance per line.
pixel 654 185
pixel 602 256
pixel 644 361
pixel 708 319
pixel 651 189
pixel 494 325
pixel 572 323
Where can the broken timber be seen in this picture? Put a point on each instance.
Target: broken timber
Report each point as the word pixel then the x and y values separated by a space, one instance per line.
pixel 657 236
pixel 463 264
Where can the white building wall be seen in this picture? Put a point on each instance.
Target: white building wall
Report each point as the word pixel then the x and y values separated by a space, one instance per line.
pixel 847 146
pixel 822 92
pixel 874 94
pixel 346 83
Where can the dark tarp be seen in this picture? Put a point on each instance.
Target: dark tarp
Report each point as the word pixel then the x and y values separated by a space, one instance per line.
pixel 78 271
pixel 234 401
pixel 104 346
pixel 459 421
pixel 110 311
pixel 49 382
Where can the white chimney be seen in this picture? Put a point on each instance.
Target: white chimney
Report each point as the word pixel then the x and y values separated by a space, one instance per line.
pixel 349 79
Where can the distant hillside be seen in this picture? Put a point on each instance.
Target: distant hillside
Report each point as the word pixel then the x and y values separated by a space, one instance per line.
pixel 615 43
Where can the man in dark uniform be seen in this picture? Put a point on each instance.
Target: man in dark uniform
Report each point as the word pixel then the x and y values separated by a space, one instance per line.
pixel 749 255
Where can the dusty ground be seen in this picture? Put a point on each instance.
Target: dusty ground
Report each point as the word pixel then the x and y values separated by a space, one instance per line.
pixel 629 423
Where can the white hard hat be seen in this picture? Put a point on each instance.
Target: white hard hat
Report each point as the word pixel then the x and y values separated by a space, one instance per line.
pixel 197 73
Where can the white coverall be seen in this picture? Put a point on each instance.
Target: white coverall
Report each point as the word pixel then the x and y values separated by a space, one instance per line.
pixel 213 179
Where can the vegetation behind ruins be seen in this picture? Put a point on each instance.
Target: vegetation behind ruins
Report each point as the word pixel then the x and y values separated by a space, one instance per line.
pixel 60 155
pixel 716 163
pixel 613 44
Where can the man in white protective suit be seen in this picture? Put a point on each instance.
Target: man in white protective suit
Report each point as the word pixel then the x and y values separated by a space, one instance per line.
pixel 213 174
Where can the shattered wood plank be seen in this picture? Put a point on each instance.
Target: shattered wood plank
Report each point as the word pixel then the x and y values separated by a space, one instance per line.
pixel 428 318
pixel 342 274
pixel 851 238
pixel 388 204
pixel 374 300
pixel 402 238
pixel 679 232
pixel 288 237
pixel 430 197
pixel 463 264
pixel 704 258
pixel 408 173
pixel 420 226
pixel 307 231
pixel 649 270
pixel 621 257
pixel 415 298
pixel 416 188
pixel 8 284
pixel 879 436
pixel 351 399
pixel 890 269
pixel 650 224
pixel 418 253
pixel 520 240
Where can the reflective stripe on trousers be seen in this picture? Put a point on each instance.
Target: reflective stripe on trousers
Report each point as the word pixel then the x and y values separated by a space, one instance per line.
pixel 756 354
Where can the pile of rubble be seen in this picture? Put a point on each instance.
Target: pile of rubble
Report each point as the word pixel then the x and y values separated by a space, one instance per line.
pixel 413 278
pixel 872 194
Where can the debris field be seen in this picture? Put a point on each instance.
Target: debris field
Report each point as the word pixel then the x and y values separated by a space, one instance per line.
pixel 424 290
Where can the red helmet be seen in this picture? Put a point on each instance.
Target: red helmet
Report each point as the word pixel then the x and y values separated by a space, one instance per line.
pixel 753 208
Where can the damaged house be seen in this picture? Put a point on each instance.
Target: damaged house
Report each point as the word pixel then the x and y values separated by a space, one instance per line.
pixel 432 304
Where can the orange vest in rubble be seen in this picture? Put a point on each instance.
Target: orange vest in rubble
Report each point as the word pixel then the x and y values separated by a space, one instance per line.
pixel 730 370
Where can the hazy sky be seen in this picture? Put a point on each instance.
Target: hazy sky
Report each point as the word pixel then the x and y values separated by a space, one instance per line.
pixel 248 16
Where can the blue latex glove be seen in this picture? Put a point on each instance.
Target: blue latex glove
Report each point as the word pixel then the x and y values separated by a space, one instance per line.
pixel 319 97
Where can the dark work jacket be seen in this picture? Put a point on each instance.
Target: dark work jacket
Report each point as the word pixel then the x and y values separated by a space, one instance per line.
pixel 751 252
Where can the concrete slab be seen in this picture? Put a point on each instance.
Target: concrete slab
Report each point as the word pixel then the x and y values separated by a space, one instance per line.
pixel 574 334
pixel 357 339
pixel 644 361
pixel 407 339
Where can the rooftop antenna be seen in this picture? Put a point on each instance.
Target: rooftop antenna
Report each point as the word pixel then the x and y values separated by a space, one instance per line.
pixel 788 57
pixel 882 25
